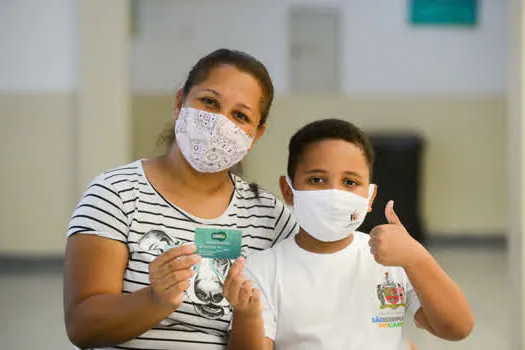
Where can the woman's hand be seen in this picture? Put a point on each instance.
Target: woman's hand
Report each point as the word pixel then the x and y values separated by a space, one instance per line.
pixel 170 274
pixel 245 300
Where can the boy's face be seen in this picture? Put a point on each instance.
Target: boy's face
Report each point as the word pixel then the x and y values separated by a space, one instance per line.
pixel 330 164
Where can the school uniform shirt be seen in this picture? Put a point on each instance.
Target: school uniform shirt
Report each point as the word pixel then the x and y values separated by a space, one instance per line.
pixel 343 300
pixel 122 205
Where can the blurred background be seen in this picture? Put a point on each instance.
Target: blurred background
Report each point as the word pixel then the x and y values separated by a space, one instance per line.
pixel 87 85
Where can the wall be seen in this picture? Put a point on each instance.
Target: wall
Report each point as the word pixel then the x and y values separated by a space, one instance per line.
pixel 446 84
pixel 381 52
pixel 37 78
pixel 464 172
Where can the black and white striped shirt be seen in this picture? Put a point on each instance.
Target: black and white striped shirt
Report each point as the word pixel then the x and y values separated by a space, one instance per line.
pixel 122 205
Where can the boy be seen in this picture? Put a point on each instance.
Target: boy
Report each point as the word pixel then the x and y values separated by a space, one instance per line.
pixel 332 287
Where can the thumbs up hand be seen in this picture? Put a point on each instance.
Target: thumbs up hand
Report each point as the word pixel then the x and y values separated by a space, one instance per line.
pixel 391 244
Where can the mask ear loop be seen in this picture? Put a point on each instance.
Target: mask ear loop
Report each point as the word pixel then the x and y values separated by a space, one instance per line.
pixel 289 182
pixel 371 190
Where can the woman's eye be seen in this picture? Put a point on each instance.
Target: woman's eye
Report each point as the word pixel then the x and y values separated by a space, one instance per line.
pixel 208 101
pixel 241 116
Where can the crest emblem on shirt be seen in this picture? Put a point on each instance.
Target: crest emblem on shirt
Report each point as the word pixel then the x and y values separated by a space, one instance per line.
pixel 390 294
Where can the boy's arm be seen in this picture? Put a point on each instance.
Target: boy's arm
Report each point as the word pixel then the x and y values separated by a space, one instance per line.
pixel 247 331
pixel 444 310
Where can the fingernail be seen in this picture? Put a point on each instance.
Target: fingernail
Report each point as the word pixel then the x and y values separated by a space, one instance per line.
pixel 196 258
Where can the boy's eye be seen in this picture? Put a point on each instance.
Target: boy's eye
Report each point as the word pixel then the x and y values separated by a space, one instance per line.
pixel 350 183
pixel 316 180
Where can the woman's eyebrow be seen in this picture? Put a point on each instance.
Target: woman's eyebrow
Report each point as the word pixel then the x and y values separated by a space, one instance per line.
pixel 245 106
pixel 216 93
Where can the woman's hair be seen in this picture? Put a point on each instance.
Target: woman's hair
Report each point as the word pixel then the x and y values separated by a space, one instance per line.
pixel 238 59
pixel 327 129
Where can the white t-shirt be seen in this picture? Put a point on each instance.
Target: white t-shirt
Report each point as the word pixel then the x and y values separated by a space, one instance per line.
pixel 122 205
pixel 343 300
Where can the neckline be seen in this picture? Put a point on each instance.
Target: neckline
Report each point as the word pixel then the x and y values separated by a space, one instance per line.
pixel 191 217
pixel 346 250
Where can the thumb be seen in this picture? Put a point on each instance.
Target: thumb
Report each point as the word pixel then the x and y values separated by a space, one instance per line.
pixel 390 214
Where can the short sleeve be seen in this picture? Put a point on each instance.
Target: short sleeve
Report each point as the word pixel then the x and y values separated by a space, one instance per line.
pixel 412 300
pixel 100 212
pixel 285 225
pixel 268 313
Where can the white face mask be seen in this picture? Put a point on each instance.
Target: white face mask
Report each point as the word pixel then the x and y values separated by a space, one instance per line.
pixel 329 215
pixel 210 142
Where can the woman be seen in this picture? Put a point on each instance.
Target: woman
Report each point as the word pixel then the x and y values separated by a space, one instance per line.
pixel 124 288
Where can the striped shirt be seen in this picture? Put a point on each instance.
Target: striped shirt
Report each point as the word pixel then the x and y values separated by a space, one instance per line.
pixel 122 205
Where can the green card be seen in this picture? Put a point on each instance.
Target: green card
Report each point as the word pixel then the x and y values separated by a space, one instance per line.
pixel 218 243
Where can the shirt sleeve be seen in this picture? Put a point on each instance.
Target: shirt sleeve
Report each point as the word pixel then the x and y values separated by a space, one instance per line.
pixel 268 313
pixel 285 224
pixel 100 212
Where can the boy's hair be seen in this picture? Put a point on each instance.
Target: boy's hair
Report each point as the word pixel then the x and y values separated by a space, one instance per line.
pixel 327 129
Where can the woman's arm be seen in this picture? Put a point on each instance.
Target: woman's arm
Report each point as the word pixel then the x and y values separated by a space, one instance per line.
pixel 96 312
pixel 444 309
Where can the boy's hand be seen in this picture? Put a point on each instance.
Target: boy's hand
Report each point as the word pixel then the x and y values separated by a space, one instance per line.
pixel 245 300
pixel 391 244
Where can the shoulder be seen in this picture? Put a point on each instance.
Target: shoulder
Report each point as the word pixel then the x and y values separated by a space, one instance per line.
pixel 119 179
pixel 127 172
pixel 361 240
pixel 112 184
pixel 264 262
pixel 247 191
pixel 257 199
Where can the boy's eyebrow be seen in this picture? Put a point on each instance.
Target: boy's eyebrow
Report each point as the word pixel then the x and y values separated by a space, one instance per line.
pixel 316 171
pixel 353 173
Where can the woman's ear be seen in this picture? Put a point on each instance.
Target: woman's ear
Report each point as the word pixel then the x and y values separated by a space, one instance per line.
pixel 178 104
pixel 371 201
pixel 286 191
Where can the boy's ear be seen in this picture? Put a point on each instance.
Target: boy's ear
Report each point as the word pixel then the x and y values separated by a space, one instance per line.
pixel 371 201
pixel 286 191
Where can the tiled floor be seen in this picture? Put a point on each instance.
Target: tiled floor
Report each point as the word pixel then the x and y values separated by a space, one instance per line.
pixel 31 304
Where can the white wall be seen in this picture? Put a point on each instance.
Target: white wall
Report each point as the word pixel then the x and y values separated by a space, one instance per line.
pixel 37 45
pixel 381 51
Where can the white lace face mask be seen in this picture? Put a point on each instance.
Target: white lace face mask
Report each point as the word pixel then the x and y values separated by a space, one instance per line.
pixel 210 142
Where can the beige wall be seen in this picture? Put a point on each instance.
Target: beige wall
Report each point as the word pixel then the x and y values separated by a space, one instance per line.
pixel 465 159
pixel 37 177
pixel 464 170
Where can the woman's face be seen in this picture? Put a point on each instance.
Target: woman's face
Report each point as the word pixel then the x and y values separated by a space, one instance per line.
pixel 230 92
